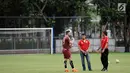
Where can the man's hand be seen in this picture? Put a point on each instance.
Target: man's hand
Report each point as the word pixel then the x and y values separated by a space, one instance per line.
pixel 70 45
pixel 83 51
pixel 103 51
pixel 98 49
pixel 86 52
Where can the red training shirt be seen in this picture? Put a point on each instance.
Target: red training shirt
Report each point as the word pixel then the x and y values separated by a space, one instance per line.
pixel 66 42
pixel 84 44
pixel 104 41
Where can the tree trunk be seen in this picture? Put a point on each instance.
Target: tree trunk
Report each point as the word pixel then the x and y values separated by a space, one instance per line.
pixel 126 36
pixel 73 27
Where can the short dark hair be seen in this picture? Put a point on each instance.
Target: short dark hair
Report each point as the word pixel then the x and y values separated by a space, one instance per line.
pixel 67 32
pixel 105 33
pixel 83 33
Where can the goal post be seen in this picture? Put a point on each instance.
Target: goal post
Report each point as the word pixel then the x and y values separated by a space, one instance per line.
pixel 35 40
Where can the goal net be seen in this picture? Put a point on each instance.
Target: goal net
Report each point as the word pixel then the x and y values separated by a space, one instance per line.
pixel 26 40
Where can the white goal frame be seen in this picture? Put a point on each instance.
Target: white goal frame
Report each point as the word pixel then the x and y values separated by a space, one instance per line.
pixel 52 34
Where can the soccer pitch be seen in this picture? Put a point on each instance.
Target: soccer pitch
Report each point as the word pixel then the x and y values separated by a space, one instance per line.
pixel 45 63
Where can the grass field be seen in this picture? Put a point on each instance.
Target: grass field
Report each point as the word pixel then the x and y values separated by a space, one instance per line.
pixel 45 63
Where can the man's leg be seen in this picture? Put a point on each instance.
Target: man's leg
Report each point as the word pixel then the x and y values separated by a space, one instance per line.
pixel 65 60
pixel 65 63
pixel 88 61
pixel 69 57
pixel 106 59
pixel 102 60
pixel 72 66
pixel 82 61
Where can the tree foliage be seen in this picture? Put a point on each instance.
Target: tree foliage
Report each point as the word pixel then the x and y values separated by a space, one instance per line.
pixel 45 8
pixel 109 13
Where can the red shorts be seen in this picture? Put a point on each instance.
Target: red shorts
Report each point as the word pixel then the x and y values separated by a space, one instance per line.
pixel 66 53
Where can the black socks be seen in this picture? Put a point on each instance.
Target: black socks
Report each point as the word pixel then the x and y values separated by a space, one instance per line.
pixel 65 64
pixel 71 64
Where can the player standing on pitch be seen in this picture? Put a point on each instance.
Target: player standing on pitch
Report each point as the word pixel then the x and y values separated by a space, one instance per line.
pixel 84 46
pixel 104 51
pixel 67 44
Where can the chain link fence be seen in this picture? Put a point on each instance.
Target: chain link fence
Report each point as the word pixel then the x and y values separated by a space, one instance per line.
pixel 77 24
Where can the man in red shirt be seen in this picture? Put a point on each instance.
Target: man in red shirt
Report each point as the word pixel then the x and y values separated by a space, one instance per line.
pixel 104 51
pixel 66 52
pixel 84 46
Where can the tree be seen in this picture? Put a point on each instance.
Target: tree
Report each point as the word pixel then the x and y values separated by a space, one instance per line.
pixel 9 8
pixel 109 13
pixel 127 35
pixel 44 9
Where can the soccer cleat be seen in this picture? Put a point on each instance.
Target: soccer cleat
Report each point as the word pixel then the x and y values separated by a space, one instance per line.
pixel 106 70
pixel 90 70
pixel 103 69
pixel 74 70
pixel 66 70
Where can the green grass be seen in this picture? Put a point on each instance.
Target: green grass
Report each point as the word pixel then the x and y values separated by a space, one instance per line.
pixel 44 63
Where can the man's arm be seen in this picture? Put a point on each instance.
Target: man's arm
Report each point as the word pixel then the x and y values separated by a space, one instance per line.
pixel 105 47
pixel 106 44
pixel 63 41
pixel 80 47
pixel 99 48
pixel 88 47
pixel 70 42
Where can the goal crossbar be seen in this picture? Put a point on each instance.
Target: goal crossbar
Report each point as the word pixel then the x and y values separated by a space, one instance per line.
pixel 28 30
pixel 25 28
